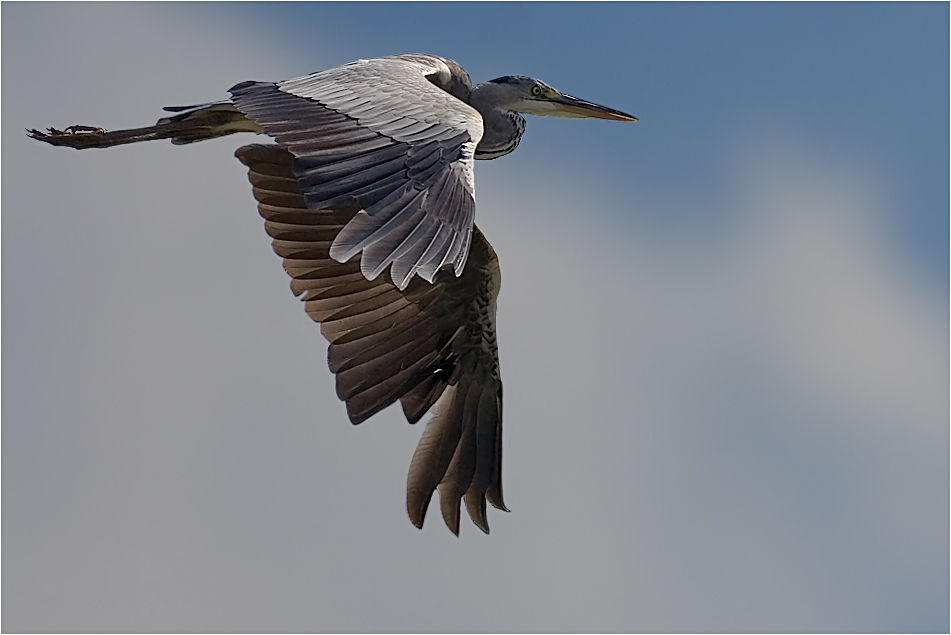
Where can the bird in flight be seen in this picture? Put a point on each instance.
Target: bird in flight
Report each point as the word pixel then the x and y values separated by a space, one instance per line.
pixel 369 197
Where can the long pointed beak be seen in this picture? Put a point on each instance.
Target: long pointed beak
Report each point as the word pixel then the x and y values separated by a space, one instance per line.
pixel 568 106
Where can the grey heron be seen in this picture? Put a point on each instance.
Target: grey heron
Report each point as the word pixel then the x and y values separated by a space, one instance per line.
pixel 369 197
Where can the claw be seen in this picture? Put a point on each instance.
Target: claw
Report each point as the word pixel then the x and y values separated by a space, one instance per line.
pixel 53 133
pixel 73 136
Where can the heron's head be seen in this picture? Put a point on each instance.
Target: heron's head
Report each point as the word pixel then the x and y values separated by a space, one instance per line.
pixel 534 97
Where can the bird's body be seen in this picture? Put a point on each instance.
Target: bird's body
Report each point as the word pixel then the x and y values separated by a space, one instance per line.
pixel 369 197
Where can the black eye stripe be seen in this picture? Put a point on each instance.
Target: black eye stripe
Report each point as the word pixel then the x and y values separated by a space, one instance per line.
pixel 508 79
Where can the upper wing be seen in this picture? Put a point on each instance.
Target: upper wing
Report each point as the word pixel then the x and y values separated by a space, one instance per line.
pixel 381 133
pixel 432 344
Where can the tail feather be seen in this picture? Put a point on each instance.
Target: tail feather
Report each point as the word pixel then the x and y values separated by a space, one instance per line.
pixel 204 122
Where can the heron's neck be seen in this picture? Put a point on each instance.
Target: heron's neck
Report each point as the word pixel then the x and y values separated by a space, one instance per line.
pixel 502 127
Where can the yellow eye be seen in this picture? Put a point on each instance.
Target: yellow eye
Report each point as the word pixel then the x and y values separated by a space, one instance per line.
pixel 536 90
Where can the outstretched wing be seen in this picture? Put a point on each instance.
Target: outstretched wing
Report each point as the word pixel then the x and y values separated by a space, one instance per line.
pixel 428 345
pixel 387 134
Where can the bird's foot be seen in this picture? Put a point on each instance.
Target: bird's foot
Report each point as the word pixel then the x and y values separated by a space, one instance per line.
pixel 73 136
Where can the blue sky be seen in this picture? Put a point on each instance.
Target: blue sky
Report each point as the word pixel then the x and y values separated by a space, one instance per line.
pixel 723 332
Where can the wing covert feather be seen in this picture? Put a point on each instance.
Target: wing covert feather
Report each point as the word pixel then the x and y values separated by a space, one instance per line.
pixel 382 134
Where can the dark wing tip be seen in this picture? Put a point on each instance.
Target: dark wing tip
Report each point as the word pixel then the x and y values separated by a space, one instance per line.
pixel 417 502
pixel 475 505
pixel 494 496
pixel 449 505
pixel 449 499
